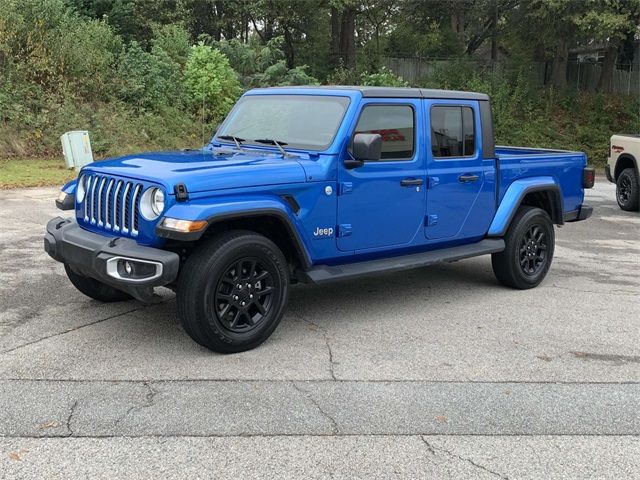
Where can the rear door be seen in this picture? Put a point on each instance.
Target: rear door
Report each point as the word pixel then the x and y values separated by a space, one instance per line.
pixel 382 203
pixel 461 195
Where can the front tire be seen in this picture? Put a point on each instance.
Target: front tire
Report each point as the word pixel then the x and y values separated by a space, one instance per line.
pixel 529 246
pixel 232 291
pixel 94 288
pixel 628 190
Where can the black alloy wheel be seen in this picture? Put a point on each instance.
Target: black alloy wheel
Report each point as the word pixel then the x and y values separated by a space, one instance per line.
pixel 624 190
pixel 232 291
pixel 533 250
pixel 244 295
pixel 628 190
pixel 528 253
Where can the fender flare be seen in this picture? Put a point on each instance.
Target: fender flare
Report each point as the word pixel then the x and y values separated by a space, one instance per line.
pixel 217 210
pixel 624 156
pixel 513 197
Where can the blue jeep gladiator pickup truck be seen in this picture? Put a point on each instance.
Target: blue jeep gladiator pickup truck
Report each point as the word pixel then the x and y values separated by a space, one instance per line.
pixel 312 184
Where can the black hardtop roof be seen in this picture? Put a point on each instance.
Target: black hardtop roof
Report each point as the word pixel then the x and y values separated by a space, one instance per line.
pixel 402 92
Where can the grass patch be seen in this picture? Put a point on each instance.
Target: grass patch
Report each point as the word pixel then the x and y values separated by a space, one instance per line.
pixel 21 172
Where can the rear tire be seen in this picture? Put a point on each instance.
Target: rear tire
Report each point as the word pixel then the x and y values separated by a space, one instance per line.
pixel 95 289
pixel 529 246
pixel 628 190
pixel 232 291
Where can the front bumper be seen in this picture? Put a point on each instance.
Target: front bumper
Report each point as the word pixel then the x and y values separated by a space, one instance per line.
pixel 607 172
pixel 94 256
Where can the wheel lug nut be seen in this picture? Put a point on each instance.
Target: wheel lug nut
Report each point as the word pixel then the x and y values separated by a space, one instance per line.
pixel 250 296
pixel 243 304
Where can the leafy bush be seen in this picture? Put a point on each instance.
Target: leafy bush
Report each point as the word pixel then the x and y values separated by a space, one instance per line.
pixel 210 81
pixel 54 47
pixel 149 80
pixel 263 65
pixel 174 40
pixel 382 78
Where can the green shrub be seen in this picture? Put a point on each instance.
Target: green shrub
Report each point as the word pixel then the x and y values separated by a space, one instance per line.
pixel 56 47
pixel 382 78
pixel 210 81
pixel 174 40
pixel 263 65
pixel 149 80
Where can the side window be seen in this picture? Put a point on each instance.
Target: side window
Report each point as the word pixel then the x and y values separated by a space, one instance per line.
pixel 396 126
pixel 452 131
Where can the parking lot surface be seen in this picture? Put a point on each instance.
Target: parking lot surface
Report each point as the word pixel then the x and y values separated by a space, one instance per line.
pixel 438 372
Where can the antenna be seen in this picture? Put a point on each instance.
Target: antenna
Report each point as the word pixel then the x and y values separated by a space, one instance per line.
pixel 204 94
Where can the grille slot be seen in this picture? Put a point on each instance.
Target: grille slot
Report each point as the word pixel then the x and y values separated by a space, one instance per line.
pixel 113 204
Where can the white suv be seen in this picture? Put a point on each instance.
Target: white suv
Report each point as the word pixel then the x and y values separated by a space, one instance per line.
pixel 622 169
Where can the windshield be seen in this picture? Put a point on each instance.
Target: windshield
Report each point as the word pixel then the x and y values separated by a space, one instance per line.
pixel 297 121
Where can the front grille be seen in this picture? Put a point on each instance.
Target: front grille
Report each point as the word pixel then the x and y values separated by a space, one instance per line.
pixel 112 204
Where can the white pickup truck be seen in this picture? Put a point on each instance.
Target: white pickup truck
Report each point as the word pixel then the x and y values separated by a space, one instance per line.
pixel 622 169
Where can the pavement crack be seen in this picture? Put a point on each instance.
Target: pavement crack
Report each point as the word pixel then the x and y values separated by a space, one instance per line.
pixel 433 450
pixel 309 396
pixel 149 401
pixel 325 335
pixel 72 411
pixel 79 327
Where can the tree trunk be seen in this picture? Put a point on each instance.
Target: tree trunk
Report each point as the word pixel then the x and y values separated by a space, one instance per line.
pixel 605 82
pixel 494 32
pixel 335 37
pixel 348 37
pixel 288 48
pixel 559 67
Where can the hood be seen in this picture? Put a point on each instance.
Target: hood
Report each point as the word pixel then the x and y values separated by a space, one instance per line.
pixel 202 170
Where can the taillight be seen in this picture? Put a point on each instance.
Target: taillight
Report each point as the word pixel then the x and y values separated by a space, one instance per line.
pixel 588 177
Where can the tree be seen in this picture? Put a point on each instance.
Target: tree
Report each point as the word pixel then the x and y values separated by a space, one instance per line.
pixel 210 81
pixel 611 21
pixel 343 33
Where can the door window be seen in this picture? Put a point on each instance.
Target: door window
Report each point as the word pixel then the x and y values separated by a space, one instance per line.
pixel 396 126
pixel 452 131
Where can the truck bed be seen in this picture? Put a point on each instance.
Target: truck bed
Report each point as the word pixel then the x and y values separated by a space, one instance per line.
pixel 564 166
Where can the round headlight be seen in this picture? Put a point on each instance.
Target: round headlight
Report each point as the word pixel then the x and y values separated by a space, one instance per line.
pixel 152 203
pixel 81 188
pixel 157 203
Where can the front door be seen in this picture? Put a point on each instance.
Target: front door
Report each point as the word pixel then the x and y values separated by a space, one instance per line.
pixel 382 203
pixel 461 199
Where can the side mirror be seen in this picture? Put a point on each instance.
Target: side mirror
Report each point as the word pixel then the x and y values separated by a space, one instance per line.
pixel 366 147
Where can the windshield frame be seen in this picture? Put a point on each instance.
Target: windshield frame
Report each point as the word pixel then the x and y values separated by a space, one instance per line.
pixel 295 147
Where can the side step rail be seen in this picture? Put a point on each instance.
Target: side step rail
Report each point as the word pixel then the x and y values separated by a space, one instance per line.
pixel 327 273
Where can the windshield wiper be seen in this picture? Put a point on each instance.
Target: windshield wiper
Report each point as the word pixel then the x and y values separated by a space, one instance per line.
pixel 237 140
pixel 271 141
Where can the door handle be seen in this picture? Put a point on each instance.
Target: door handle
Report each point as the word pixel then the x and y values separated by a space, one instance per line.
pixel 468 178
pixel 411 182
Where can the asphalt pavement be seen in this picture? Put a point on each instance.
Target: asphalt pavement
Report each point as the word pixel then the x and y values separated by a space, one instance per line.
pixel 437 373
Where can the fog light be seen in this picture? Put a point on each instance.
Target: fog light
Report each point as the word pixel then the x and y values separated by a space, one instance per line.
pixel 133 270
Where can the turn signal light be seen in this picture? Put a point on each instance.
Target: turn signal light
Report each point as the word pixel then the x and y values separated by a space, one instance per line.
pixel 183 225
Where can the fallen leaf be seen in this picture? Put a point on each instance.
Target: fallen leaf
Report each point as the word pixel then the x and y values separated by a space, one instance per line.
pixel 51 424
pixel 15 456
pixel 441 419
